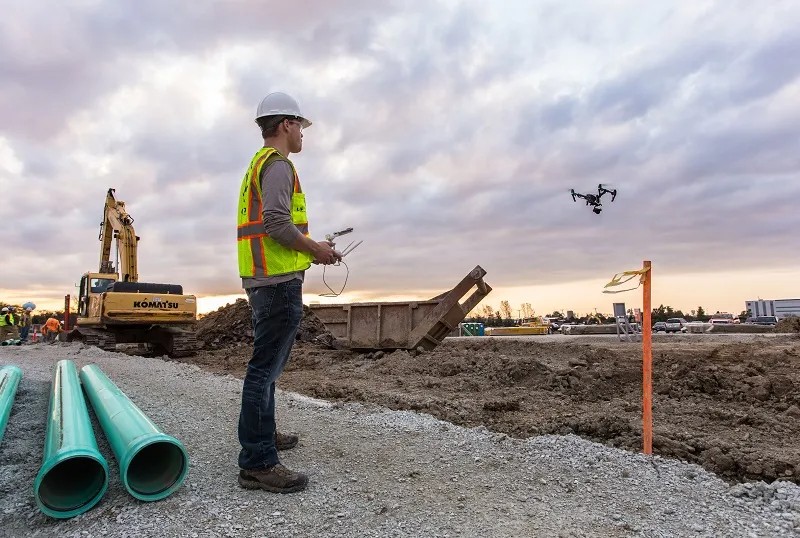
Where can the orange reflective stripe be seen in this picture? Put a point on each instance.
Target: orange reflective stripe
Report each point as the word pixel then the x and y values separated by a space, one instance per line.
pixel 254 204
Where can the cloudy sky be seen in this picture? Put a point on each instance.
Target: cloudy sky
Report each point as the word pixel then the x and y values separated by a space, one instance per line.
pixel 447 133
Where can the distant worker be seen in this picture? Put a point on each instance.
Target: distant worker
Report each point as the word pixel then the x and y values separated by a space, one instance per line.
pixel 50 330
pixel 5 324
pixel 25 325
pixel 274 249
pixel 13 323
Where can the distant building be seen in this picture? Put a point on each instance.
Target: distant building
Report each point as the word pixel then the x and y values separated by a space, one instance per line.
pixel 780 308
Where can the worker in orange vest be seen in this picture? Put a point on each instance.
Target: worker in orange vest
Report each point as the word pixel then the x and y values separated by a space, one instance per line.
pixel 50 330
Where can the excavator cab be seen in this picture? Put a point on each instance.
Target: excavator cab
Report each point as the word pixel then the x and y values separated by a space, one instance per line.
pixel 92 285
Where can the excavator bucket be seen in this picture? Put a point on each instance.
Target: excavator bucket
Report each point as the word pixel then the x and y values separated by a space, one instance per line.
pixel 403 325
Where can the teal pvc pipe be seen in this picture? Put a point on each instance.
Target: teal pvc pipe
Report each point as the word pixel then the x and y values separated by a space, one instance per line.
pixel 152 464
pixel 9 381
pixel 73 476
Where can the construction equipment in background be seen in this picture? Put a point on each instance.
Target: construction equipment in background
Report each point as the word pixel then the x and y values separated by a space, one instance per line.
pixel 631 332
pixel 471 328
pixel 403 325
pixel 115 308
pixel 536 326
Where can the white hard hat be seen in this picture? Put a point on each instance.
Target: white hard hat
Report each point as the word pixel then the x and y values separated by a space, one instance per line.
pixel 281 104
pixel 4 309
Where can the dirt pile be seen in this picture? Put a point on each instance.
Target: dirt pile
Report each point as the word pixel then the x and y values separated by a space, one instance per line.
pixel 789 325
pixel 729 403
pixel 231 325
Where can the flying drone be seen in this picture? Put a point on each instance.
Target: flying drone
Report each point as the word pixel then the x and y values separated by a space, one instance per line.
pixel 594 199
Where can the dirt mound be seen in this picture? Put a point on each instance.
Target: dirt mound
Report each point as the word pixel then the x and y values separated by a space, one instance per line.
pixel 731 405
pixel 789 325
pixel 231 325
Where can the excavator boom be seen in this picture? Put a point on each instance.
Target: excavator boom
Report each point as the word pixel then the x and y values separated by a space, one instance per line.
pixel 118 224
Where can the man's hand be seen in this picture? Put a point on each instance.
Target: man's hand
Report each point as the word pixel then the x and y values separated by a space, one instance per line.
pixel 325 254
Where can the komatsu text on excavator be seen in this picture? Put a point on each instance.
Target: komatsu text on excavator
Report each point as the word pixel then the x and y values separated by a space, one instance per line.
pixel 115 308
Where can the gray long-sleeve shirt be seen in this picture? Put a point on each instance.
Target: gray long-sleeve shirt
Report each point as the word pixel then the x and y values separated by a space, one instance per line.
pixel 277 187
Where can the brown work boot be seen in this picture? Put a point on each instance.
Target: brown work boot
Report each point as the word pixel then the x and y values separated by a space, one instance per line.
pixel 277 479
pixel 285 441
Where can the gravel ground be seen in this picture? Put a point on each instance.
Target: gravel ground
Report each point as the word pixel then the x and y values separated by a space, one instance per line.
pixel 373 472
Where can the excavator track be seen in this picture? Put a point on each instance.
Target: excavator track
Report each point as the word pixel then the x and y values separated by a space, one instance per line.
pixel 94 337
pixel 173 341
pixel 184 344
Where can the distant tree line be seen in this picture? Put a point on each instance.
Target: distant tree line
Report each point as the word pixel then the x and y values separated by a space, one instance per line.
pixel 506 316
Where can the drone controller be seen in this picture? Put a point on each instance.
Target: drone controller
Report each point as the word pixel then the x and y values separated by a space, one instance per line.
pixel 349 248
pixel 334 235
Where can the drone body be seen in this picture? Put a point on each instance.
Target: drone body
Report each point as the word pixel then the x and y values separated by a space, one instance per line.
pixel 594 199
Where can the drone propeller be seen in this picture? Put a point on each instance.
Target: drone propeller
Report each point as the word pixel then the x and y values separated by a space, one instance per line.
pixel 609 189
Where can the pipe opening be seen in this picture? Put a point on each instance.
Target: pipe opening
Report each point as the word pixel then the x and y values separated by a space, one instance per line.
pixel 72 484
pixel 156 468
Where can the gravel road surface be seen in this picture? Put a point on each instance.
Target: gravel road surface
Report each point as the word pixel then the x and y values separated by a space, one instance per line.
pixel 373 472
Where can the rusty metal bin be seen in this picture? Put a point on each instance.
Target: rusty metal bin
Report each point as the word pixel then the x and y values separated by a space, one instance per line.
pixel 403 324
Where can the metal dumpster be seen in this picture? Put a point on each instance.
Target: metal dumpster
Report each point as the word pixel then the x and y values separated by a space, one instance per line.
pixel 404 324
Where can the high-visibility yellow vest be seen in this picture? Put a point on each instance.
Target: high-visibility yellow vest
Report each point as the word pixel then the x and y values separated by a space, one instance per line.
pixel 259 254
pixel 3 320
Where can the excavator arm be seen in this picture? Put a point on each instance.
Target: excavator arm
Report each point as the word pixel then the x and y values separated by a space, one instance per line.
pixel 118 224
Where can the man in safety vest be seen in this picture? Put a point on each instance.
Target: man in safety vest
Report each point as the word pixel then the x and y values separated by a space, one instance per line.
pixel 25 327
pixel 5 324
pixel 274 250
pixel 14 323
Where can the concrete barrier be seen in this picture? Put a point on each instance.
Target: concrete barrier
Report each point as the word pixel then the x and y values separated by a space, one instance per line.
pixel 739 328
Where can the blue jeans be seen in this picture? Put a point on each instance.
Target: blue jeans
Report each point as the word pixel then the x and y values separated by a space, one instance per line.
pixel 277 311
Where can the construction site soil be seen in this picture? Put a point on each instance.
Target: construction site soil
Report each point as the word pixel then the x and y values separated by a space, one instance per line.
pixel 730 403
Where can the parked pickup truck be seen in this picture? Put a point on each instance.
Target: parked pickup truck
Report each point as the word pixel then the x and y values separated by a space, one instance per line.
pixel 675 325
pixel 723 318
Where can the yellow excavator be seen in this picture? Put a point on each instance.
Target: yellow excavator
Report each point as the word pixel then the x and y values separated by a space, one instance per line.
pixel 115 308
